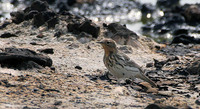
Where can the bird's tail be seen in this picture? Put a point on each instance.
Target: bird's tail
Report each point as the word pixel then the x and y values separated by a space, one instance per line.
pixel 145 78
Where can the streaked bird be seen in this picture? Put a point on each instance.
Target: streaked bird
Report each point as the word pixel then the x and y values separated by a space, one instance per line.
pixel 120 65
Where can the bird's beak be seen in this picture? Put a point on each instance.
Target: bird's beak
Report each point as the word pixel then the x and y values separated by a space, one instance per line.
pixel 100 42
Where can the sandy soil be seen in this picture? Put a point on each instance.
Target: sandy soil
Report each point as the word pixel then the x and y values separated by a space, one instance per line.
pixel 68 87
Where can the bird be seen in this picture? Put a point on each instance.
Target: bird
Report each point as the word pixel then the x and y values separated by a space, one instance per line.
pixel 120 65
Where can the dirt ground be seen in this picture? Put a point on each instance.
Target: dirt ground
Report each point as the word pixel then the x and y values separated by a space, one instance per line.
pixel 77 78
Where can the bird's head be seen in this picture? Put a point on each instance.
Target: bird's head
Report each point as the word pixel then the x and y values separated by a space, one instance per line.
pixel 108 45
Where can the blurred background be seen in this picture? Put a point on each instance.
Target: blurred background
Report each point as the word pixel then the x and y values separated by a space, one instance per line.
pixel 160 19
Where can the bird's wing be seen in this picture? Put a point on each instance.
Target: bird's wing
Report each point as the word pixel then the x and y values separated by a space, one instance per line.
pixel 127 61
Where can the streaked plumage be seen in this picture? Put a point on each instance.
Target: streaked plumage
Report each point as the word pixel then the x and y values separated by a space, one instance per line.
pixel 120 65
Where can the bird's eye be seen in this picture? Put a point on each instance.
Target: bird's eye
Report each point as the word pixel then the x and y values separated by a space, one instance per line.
pixel 107 42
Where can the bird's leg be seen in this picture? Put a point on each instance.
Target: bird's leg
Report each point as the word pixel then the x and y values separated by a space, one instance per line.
pixel 132 82
pixel 132 78
pixel 119 81
pixel 107 75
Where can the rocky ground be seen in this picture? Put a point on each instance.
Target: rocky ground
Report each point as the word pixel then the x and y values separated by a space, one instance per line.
pixel 52 60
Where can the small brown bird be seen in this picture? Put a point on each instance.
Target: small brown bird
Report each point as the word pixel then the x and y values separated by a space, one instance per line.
pixel 120 65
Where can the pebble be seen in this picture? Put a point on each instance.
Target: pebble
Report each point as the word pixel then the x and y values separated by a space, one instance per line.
pixel 198 101
pixel 119 90
pixel 78 67
pixel 58 103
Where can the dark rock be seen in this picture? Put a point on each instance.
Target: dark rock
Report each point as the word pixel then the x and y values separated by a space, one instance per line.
pixel 180 31
pixel 29 65
pixel 187 96
pixel 38 20
pixel 58 34
pixel 167 3
pixel 26 107
pixel 182 72
pixel 34 43
pixel 73 45
pixel 62 7
pixel 50 1
pixel 54 90
pixel 172 19
pixel 35 90
pixel 84 34
pixel 90 28
pixel 84 37
pixel 146 28
pixel 5 24
pixel 49 15
pixel 21 78
pixel 71 2
pixel 156 106
pixel 159 64
pixel 163 88
pixel 52 22
pixel 105 25
pixel 18 57
pixel 194 67
pixel 7 35
pixel 43 95
pixel 121 30
pixel 47 51
pixel 40 13
pixel 39 6
pixel 158 26
pixel 149 65
pixel 78 67
pixel 27 10
pixel 147 8
pixel 108 87
pixel 6 83
pixel 192 15
pixel 14 2
pixel 163 31
pixel 87 26
pixel 122 35
pixel 153 106
pixel 157 47
pixel 185 39
pixel 53 68
pixel 73 27
pixel 126 49
pixel 42 17
pixel 40 36
pixel 31 14
pixel 88 47
pixel 128 81
pixel 41 86
pixel 58 103
pixel 17 17
pixel 198 101
pixel 175 50
pixel 172 58
pixel 165 24
pixel 66 13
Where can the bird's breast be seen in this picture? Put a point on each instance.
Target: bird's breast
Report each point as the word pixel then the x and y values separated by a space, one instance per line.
pixel 113 66
pixel 119 68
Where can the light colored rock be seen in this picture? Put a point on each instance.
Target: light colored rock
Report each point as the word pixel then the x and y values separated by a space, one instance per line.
pixel 119 90
pixel 10 71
